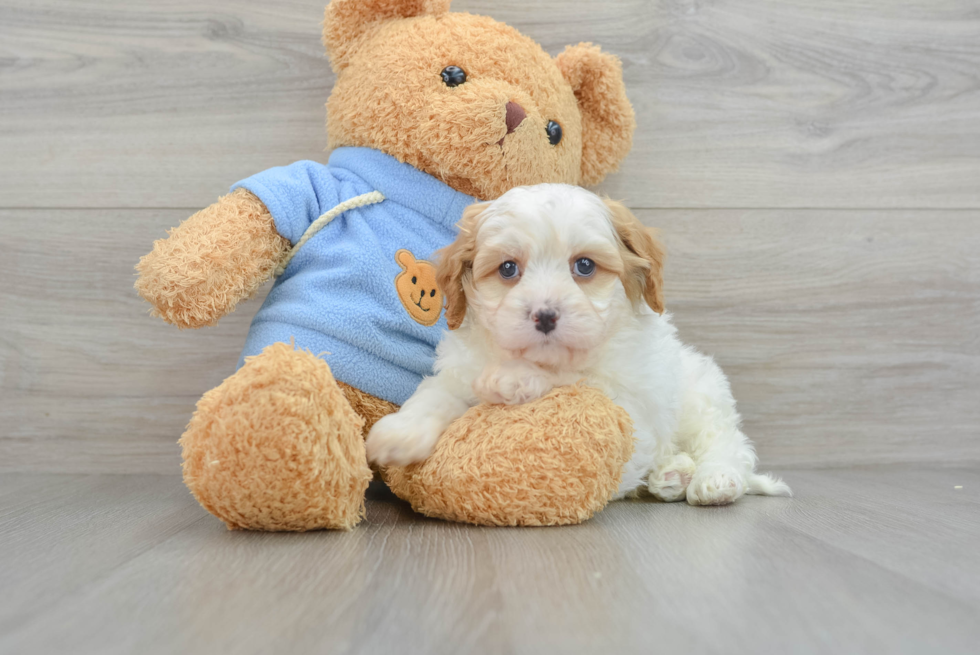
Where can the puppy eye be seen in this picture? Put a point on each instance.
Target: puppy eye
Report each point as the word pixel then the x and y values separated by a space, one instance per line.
pixel 453 76
pixel 509 270
pixel 554 133
pixel 584 267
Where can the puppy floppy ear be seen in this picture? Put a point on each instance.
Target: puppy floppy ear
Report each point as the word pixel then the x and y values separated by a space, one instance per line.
pixel 346 21
pixel 608 121
pixel 454 266
pixel 643 257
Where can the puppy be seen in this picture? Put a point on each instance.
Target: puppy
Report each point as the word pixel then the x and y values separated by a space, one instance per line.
pixel 550 285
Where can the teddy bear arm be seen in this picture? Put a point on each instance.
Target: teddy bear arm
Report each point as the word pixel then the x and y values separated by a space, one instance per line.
pixel 210 262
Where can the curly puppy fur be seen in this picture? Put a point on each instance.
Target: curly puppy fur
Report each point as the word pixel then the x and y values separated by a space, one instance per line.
pixel 562 286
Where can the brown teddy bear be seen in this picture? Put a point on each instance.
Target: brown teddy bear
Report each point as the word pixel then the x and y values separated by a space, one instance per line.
pixel 431 110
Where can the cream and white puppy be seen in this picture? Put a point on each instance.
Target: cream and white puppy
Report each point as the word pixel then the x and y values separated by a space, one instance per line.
pixel 551 285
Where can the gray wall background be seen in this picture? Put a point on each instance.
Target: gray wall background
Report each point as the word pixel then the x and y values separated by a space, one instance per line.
pixel 814 168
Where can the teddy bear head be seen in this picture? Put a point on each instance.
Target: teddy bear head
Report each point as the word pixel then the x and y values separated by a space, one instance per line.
pixel 470 100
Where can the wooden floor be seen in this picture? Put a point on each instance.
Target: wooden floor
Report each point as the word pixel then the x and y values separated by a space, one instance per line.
pixel 862 560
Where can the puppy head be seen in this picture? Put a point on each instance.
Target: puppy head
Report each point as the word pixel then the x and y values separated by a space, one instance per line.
pixel 550 271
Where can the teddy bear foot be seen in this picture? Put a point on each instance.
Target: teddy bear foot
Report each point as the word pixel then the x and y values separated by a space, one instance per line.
pixel 554 461
pixel 277 447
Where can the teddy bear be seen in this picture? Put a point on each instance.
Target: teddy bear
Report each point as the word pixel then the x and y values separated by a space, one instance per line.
pixel 431 111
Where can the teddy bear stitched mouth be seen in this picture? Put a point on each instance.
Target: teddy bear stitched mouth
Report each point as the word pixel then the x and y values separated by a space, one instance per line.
pixel 419 303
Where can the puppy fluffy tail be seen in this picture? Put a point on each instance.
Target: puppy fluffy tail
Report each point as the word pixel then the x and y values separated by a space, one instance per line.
pixel 763 484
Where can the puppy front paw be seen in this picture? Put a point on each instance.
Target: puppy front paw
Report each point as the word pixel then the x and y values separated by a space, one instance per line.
pixel 512 383
pixel 399 439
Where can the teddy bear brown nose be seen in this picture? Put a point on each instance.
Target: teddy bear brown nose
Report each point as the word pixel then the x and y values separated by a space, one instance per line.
pixel 515 116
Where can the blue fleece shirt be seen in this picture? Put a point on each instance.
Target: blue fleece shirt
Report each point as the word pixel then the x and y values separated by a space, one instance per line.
pixel 337 296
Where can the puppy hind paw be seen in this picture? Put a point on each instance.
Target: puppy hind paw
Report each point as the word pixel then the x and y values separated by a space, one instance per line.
pixel 669 482
pixel 715 486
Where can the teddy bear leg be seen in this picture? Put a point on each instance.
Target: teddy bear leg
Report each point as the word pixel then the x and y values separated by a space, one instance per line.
pixel 277 447
pixel 368 407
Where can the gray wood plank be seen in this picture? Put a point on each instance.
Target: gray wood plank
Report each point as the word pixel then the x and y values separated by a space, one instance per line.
pixel 765 575
pixel 88 381
pixel 849 337
pixel 894 505
pixel 749 103
pixel 59 534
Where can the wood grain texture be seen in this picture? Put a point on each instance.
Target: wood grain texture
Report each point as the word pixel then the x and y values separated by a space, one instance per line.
pixel 861 561
pixel 849 337
pixel 740 103
pixel 60 534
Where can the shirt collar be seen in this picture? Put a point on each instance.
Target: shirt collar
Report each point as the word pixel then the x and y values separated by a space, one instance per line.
pixel 404 184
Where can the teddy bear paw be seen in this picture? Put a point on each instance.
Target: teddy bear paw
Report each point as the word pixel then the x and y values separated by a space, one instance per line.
pixel 277 447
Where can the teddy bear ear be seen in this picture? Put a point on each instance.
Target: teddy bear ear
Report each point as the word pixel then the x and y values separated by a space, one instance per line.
pixel 608 121
pixel 346 21
pixel 404 258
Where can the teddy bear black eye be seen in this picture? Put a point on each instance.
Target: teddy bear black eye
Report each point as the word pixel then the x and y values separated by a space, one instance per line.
pixel 453 75
pixel 414 279
pixel 508 270
pixel 432 294
pixel 554 132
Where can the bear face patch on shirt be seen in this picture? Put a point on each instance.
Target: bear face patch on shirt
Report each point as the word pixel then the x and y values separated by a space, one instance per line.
pixel 417 289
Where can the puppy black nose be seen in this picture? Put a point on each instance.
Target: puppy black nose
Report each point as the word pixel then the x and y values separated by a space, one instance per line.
pixel 515 116
pixel 545 320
